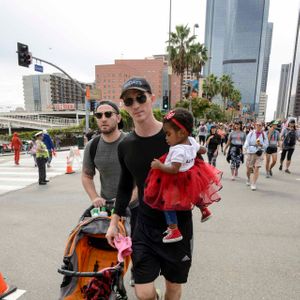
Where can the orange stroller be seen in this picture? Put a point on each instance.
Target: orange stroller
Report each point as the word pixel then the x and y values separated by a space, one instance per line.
pixel 91 267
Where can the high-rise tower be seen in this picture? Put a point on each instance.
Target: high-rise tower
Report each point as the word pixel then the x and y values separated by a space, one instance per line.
pixel 236 32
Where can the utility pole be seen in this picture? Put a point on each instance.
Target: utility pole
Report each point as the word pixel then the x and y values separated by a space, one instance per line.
pixel 169 58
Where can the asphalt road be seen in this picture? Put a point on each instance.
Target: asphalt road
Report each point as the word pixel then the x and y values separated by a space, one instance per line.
pixel 250 249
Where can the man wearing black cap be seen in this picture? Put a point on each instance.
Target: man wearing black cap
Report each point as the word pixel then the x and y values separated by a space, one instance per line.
pixel 105 154
pixel 151 257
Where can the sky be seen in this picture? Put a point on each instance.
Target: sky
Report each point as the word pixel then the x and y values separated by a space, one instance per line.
pixel 77 35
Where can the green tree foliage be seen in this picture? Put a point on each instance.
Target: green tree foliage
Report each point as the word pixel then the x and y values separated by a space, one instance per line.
pixel 226 88
pixel 197 57
pixel 180 42
pixel 215 112
pixel 235 99
pixel 199 106
pixel 210 87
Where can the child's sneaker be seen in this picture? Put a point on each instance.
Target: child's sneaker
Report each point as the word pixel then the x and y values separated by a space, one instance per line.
pixel 206 214
pixel 173 236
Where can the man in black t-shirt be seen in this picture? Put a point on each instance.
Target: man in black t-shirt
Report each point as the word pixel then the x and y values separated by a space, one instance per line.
pixel 151 257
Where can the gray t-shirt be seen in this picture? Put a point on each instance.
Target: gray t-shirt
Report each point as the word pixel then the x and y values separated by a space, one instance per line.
pixel 237 138
pixel 107 163
pixel 274 138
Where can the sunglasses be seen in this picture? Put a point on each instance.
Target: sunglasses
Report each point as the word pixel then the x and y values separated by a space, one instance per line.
pixel 107 114
pixel 140 99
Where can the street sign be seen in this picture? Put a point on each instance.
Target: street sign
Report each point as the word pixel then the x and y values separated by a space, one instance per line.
pixel 95 94
pixel 39 68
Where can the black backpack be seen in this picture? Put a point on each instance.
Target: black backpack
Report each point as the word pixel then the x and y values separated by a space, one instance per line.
pixel 290 139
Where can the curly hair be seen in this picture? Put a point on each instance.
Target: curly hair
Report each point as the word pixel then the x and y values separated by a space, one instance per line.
pixel 181 115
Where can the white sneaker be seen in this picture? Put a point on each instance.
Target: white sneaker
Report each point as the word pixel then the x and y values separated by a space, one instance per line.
pixel 232 178
pixel 248 182
pixel 253 187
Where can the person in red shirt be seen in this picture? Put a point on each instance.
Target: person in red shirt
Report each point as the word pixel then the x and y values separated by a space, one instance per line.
pixel 16 145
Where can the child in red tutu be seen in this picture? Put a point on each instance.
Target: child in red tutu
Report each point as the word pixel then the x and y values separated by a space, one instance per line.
pixel 179 179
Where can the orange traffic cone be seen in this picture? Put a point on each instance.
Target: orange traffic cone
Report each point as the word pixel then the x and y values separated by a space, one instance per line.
pixel 4 288
pixel 69 169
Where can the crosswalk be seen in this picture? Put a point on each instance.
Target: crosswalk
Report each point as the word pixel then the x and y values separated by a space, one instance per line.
pixel 15 177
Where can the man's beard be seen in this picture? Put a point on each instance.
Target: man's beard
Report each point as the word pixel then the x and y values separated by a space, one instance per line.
pixel 109 129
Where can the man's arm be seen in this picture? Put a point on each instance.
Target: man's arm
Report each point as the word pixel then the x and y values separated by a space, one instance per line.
pixel 87 179
pixel 125 188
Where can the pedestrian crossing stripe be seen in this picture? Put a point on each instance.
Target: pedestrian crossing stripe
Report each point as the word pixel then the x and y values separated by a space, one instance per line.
pixel 14 177
pixel 15 295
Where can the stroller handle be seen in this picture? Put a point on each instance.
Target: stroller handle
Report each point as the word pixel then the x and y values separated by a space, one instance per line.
pixel 79 274
pixel 118 268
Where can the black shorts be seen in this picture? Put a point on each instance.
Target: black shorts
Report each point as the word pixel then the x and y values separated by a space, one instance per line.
pixel 151 257
pixel 271 150
pixel 202 138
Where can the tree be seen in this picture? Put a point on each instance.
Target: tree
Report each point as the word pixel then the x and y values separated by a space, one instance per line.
pixel 199 106
pixel 215 113
pixel 197 57
pixel 178 50
pixel 210 86
pixel 235 98
pixel 226 88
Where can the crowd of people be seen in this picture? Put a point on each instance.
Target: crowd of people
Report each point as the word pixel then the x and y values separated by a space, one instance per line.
pixel 259 142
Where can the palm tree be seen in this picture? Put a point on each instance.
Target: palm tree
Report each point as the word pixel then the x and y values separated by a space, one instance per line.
pixel 210 86
pixel 235 98
pixel 178 49
pixel 197 58
pixel 226 88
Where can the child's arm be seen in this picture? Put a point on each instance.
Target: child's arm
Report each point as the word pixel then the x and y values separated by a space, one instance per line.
pixel 172 169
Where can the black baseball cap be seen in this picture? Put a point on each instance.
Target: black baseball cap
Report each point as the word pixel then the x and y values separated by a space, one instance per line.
pixel 115 107
pixel 136 83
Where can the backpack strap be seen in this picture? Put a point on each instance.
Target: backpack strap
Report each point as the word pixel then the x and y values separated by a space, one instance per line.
pixel 93 148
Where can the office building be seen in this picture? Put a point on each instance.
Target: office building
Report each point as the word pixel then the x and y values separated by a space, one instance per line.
pixel 283 93
pixel 294 95
pixel 52 92
pixel 236 38
pixel 263 99
pixel 267 53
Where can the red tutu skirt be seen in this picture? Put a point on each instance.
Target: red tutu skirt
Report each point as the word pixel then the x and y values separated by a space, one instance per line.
pixel 197 186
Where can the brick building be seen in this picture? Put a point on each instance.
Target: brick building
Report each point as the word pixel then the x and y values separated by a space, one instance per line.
pixel 110 78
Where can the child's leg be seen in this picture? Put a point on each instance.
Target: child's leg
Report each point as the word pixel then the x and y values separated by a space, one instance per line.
pixel 171 218
pixel 206 213
pixel 173 233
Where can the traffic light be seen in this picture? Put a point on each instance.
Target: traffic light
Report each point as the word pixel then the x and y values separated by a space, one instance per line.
pixel 93 105
pixel 24 56
pixel 165 104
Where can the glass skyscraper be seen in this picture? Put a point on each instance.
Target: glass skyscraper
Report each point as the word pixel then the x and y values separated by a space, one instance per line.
pixel 294 99
pixel 236 40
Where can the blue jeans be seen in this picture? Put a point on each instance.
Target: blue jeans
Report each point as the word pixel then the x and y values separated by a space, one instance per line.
pixel 171 217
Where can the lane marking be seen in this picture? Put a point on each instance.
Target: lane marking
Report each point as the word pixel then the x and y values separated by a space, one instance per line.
pixel 27 173
pixel 15 295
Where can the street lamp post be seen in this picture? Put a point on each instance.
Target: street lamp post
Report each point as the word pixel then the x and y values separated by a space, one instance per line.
pixel 169 58
pixel 195 26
